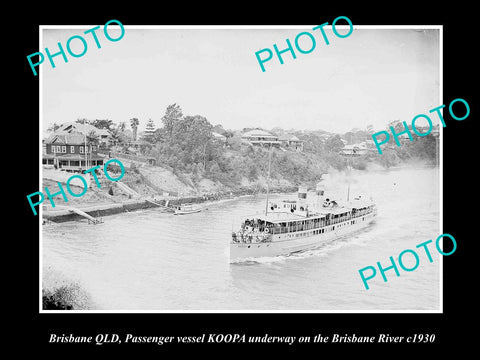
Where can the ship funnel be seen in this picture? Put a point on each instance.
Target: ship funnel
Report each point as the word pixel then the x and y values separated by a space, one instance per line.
pixel 302 198
pixel 319 196
pixel 302 192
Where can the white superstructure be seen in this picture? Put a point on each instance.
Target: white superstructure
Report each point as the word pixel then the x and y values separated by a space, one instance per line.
pixel 301 224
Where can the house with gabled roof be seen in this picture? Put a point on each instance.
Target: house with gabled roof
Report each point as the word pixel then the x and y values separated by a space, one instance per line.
pixel 219 137
pixel 354 149
pixel 260 137
pixel 291 142
pixel 71 151
pixel 85 129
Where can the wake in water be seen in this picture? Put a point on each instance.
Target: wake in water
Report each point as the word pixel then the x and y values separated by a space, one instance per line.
pixel 321 250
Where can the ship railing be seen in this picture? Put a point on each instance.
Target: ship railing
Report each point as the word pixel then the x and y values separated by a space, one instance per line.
pixel 251 237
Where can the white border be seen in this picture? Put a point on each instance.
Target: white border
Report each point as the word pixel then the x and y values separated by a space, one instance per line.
pixel 218 27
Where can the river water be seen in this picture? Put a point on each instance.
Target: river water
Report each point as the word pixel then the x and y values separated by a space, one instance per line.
pixel 153 261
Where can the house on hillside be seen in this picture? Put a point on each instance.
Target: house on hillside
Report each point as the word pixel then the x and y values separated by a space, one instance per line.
pixel 258 137
pixel 219 137
pixel 291 142
pixel 354 149
pixel 71 152
pixel 85 129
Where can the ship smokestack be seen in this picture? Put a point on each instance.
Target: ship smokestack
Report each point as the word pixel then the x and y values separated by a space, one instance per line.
pixel 319 196
pixel 302 198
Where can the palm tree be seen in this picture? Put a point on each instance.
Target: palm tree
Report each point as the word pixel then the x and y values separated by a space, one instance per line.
pixel 134 124
pixel 53 127
pixel 92 140
pixel 115 135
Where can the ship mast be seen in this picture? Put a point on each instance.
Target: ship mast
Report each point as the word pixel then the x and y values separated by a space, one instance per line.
pixel 348 179
pixel 348 173
pixel 268 177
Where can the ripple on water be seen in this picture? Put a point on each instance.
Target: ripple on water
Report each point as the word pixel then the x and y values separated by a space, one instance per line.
pixel 149 260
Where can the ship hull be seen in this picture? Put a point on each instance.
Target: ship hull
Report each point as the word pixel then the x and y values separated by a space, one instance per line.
pixel 290 243
pixel 186 212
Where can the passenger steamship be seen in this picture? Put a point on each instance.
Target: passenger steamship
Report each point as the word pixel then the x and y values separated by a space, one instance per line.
pixel 298 225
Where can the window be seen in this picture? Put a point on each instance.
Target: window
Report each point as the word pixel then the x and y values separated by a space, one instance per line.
pixel 81 149
pixel 52 148
pixel 72 149
pixel 58 149
pixel 64 149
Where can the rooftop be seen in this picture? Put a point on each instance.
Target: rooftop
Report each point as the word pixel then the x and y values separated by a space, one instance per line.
pixel 73 138
pixel 258 133
pixel 218 136
pixel 276 217
pixel 288 137
pixel 85 129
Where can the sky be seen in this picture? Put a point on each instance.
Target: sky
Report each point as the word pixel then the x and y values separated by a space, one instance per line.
pixel 372 77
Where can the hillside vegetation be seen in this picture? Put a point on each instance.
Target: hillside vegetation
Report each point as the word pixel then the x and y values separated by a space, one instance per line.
pixel 190 160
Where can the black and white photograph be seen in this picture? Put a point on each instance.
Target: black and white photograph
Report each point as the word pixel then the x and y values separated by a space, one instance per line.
pixel 237 189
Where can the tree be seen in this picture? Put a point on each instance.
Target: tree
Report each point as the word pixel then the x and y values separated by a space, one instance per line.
pixel 117 134
pixel 234 142
pixel 397 125
pixel 349 137
pixel 134 124
pixel 173 114
pixel 333 144
pixel 102 124
pixel 82 121
pixel 53 127
pixel 149 131
pixel 92 140
pixel 312 143
pixel 193 134
pixel 228 134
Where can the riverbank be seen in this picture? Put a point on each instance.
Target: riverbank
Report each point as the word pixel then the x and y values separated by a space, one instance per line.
pixel 112 199
pixel 62 213
pixel 145 261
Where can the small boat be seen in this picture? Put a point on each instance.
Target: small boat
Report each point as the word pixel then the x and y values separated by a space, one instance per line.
pixel 184 209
